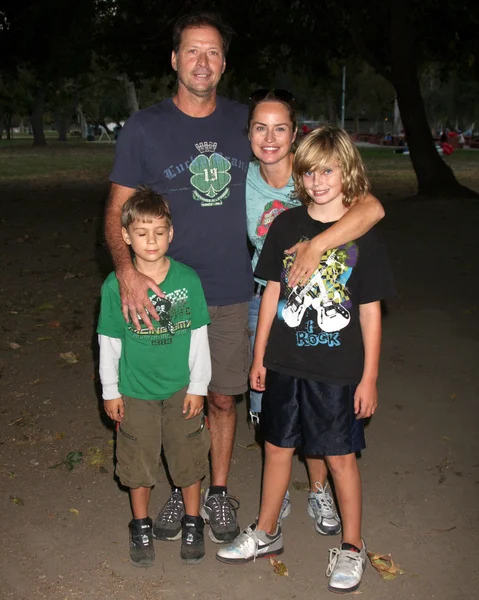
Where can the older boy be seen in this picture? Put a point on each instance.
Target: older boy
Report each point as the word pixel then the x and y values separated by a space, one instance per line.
pixel 154 381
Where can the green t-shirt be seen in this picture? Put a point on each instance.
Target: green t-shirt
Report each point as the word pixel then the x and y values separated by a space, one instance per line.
pixel 154 364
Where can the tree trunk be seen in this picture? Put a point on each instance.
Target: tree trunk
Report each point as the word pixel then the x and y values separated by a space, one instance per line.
pixel 131 97
pixel 434 176
pixel 61 125
pixel 36 120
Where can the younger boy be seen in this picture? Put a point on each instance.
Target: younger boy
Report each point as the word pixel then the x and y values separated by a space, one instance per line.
pixel 154 382
pixel 317 351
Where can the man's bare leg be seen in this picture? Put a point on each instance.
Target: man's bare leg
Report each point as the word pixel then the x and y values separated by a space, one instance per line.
pixel 222 417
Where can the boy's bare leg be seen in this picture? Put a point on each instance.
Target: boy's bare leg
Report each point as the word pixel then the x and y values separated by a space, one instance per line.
pixel 222 418
pixel 276 476
pixel 317 471
pixel 347 484
pixel 140 499
pixel 192 498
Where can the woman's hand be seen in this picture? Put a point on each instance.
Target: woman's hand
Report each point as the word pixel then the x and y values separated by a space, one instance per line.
pixel 307 259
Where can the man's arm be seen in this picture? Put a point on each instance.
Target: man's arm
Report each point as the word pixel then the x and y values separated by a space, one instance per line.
pixel 363 214
pixel 133 285
pixel 267 312
pixel 366 396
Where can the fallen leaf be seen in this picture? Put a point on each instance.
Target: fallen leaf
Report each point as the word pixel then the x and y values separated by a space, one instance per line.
pixel 54 324
pixel 16 500
pixel 74 511
pixel 69 357
pixel 14 345
pixel 385 566
pixel 301 486
pixel 95 457
pixel 69 276
pixel 43 339
pixel 59 435
pixel 453 396
pixel 279 567
pixel 46 306
pixel 71 459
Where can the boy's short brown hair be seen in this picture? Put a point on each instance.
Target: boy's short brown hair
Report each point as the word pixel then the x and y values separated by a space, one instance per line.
pixel 145 205
pixel 317 149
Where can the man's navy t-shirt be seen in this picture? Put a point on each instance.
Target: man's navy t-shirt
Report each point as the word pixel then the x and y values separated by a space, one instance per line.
pixel 199 165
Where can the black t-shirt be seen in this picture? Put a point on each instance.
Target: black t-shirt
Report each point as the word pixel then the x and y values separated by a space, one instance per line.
pixel 316 333
pixel 200 165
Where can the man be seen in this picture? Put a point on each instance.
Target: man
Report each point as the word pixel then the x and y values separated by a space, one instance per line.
pixel 193 149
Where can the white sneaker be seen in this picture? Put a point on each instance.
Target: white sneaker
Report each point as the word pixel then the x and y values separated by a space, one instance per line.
pixel 345 569
pixel 285 507
pixel 251 544
pixel 321 508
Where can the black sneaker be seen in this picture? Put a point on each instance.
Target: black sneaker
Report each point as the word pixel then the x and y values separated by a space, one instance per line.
pixel 219 510
pixel 167 526
pixel 142 551
pixel 192 540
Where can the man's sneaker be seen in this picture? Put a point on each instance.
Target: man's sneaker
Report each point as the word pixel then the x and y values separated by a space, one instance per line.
pixel 142 551
pixel 285 507
pixel 251 544
pixel 167 526
pixel 219 510
pixel 192 540
pixel 346 567
pixel 321 508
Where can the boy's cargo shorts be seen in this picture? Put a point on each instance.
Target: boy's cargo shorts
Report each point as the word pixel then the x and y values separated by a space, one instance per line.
pixel 228 336
pixel 315 416
pixel 149 424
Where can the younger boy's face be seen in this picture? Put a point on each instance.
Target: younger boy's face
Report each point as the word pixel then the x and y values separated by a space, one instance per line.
pixel 150 241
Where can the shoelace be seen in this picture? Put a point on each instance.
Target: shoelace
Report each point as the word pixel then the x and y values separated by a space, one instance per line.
pixel 245 538
pixel 343 558
pixel 325 501
pixel 171 512
pixel 224 508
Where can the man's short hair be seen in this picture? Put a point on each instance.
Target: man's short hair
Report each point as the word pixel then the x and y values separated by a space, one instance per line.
pixel 317 149
pixel 145 205
pixel 202 19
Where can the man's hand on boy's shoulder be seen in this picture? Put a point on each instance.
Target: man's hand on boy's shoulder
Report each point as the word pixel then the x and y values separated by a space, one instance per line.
pixel 115 409
pixel 192 405
pixel 365 399
pixel 135 301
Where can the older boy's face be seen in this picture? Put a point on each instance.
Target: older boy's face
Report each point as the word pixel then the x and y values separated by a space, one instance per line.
pixel 200 61
pixel 149 240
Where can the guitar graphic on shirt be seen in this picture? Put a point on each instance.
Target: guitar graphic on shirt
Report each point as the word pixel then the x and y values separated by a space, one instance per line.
pixel 332 316
pixel 298 301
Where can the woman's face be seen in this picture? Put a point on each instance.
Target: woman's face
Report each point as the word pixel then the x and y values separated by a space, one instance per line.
pixel 271 132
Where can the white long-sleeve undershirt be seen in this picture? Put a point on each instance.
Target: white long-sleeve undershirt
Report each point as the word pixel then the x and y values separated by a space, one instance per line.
pixel 199 363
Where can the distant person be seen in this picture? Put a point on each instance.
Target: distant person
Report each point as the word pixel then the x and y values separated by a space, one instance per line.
pixel 316 353
pixel 154 382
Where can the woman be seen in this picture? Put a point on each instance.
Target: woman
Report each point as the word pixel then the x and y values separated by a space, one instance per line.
pixel 272 130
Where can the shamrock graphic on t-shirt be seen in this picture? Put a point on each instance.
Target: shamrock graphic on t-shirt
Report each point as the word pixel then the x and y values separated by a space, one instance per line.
pixel 210 176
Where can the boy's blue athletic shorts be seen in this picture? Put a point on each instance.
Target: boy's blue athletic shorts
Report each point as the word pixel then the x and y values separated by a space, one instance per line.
pixel 314 416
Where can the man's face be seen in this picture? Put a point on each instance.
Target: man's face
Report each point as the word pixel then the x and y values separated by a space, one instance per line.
pixel 200 61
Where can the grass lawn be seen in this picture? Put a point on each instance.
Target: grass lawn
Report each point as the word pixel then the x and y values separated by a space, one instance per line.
pixel 391 174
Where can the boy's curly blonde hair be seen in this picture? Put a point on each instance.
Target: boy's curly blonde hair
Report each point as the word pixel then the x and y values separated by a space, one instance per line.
pixel 317 150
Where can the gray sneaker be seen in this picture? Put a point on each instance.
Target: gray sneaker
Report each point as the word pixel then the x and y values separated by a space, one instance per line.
pixel 285 507
pixel 345 569
pixel 251 544
pixel 321 508
pixel 219 510
pixel 167 525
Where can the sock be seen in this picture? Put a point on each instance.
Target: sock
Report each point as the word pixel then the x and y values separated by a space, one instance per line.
pixel 350 547
pixel 217 489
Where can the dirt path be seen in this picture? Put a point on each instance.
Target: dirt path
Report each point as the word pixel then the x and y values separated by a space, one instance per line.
pixel 64 534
